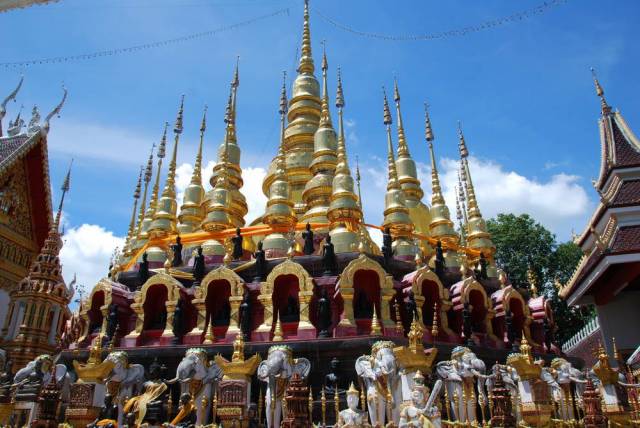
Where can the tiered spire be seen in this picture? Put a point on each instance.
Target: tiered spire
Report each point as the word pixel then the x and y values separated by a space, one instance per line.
pixel 143 229
pixel 317 192
pixel 164 216
pixel 132 222
pixel 396 213
pixel 344 211
pixel 148 172
pixel 279 211
pixel 477 237
pixel 606 109
pixel 219 210
pixel 441 226
pixel 229 145
pixel 304 118
pixel 192 210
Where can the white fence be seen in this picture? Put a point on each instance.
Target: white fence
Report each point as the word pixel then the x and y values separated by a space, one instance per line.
pixel 591 327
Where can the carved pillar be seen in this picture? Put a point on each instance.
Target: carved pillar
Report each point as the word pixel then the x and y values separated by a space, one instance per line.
pixel 386 295
pixel 104 309
pixel 419 298
pixel 171 309
pixel 348 319
pixel 266 299
pixel 200 306
pixel 55 326
pixel 137 308
pixel 8 319
pixel 305 324
pixel 234 318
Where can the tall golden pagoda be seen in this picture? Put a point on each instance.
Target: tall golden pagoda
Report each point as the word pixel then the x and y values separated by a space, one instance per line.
pixel 192 209
pixel 317 192
pixel 396 213
pixel 164 217
pixel 143 226
pixel 148 173
pixel 279 211
pixel 478 238
pixel 408 177
pixel 441 226
pixel 230 146
pixel 345 213
pixel 304 118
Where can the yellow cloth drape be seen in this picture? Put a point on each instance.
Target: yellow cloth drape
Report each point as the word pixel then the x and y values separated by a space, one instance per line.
pixel 183 413
pixel 139 404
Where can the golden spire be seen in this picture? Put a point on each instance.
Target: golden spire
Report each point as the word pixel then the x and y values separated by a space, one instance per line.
pixel 66 185
pixel 441 226
pixel 148 172
pixel 303 118
pixel 477 237
pixel 358 178
pixel 279 211
pixel 403 149
pixel 606 109
pixel 229 146
pixel 164 217
pixel 396 214
pixel 132 222
pixel 143 232
pixel 219 208
pixel 306 60
pixel 317 192
pixel 344 211
pixel 191 211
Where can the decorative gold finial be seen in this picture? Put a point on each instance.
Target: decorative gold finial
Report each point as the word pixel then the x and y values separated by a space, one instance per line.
pixel 399 327
pixel 277 333
pixel 358 178
pixel 136 197
pixel 418 259
pixel 291 252
pixel 306 60
pixel 148 174
pixel 238 349
pixel 533 282
pixel 403 148
pixel 434 323
pixel 375 324
pixel 606 109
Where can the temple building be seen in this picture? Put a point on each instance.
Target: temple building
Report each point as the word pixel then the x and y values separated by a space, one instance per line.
pixel 25 195
pixel 608 275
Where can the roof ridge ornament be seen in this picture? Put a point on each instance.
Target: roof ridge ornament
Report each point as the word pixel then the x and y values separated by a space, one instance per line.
pixel 606 108
pixel 11 96
pixel 55 111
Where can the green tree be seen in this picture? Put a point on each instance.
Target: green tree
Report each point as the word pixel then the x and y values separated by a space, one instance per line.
pixel 523 244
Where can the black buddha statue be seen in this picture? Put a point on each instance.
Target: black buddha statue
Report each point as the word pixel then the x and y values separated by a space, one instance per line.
pixel 237 245
pixel 387 246
pixel 143 271
pixel 324 314
pixel 362 308
pixel 198 268
pixel 508 325
pixel 467 324
pixel 157 394
pixel 440 263
pixel 108 416
pixel 412 308
pixel 178 322
pixel 548 334
pixel 328 258
pixel 332 380
pixel 481 270
pixel 112 322
pixel 245 316
pixel 307 235
pixel 177 253
pixel 187 416
pixel 6 380
pixel 261 264
pixel 291 312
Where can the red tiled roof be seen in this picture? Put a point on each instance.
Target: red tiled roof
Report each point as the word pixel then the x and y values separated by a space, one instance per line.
pixel 10 146
pixel 625 154
pixel 629 194
pixel 627 240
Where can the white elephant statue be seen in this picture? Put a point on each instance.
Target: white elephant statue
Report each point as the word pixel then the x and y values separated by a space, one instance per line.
pixel 199 377
pixel 565 374
pixel 124 381
pixel 45 364
pixel 510 378
pixel 276 371
pixel 464 377
pixel 381 377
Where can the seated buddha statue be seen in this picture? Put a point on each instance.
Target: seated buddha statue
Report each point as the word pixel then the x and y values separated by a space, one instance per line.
pixel 108 416
pixel 149 406
pixel 186 417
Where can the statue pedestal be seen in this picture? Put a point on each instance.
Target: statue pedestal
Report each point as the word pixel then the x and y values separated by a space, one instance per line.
pixel 233 403
pixel 537 409
pixel 85 403
pixel 345 330
pixel 192 338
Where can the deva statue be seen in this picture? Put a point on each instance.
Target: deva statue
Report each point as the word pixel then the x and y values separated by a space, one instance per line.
pixel 199 377
pixel 276 371
pixel 352 417
pixel 380 375
pixel 423 411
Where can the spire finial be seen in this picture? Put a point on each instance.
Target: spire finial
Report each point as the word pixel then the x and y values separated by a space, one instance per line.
pixel 342 164
pixel 283 95
pixel 428 132
pixel 197 166
pixel 339 93
pixel 280 164
pixel 306 60
pixel 236 76
pixel 136 196
pixel 387 113
pixel 436 189
pixel 177 129
pixel 393 175
pixel 462 145
pixel 358 178
pixel 606 109
pixel 403 149
pixel 325 116
pixel 66 185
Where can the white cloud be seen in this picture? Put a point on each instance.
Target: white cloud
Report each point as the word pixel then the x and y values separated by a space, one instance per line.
pixel 86 253
pixel 559 203
pixel 252 188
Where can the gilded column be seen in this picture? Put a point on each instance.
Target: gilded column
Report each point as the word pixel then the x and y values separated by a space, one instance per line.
pixel 305 298
pixel 266 300
pixel 171 309
pixel 234 318
pixel 348 319
pixel 386 296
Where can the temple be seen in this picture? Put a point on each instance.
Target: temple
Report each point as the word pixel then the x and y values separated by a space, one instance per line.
pixel 305 284
pixel 608 275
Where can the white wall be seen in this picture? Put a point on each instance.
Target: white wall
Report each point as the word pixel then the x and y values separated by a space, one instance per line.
pixel 620 318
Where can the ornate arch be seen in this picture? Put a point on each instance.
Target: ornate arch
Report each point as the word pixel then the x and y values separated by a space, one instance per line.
pixel 363 262
pixel 471 284
pixel 426 274
pixel 288 267
pixel 103 285
pixel 512 293
pixel 172 285
pixel 222 273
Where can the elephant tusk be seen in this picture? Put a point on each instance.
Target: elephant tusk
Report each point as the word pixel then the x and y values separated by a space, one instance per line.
pixel 171 381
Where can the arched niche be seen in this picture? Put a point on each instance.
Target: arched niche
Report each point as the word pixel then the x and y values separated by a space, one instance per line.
pixel 155 303
pixel 287 284
pixel 93 312
pixel 427 285
pixel 471 292
pixel 364 278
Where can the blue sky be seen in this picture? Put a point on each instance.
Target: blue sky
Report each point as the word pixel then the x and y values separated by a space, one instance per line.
pixel 523 92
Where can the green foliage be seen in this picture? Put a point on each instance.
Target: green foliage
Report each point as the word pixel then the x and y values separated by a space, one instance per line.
pixel 523 244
